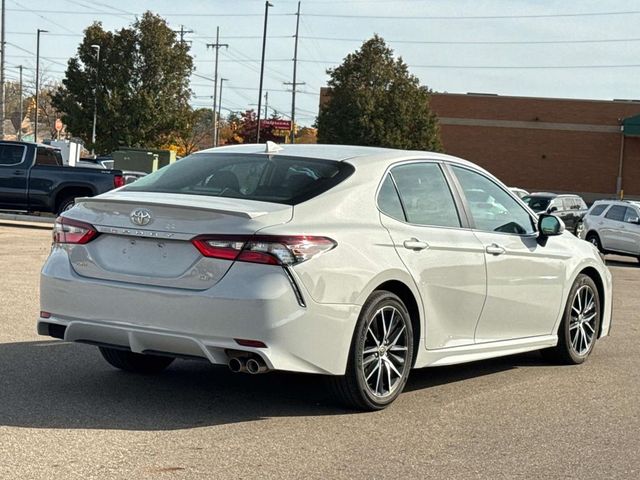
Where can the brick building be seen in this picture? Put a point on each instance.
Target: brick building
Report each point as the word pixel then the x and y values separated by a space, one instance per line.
pixel 545 144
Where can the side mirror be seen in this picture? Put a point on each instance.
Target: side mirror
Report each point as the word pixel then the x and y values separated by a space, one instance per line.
pixel 550 225
pixel 553 209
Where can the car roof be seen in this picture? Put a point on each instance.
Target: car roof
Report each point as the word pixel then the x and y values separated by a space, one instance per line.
pixel 543 194
pixel 355 154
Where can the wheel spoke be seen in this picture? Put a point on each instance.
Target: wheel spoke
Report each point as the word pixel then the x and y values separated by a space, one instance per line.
pixel 377 389
pixel 393 367
pixel 369 351
pixel 395 357
pixel 368 360
pixel 373 336
pixel 395 340
pixel 573 325
pixel 376 367
pixel 388 374
pixel 397 348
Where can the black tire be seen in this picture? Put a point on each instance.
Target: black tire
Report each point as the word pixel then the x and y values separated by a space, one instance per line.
pixel 135 362
pixel 353 389
pixel 66 204
pixel 593 238
pixel 566 352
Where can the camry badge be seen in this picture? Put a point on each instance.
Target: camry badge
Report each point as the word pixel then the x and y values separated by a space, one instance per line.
pixel 141 217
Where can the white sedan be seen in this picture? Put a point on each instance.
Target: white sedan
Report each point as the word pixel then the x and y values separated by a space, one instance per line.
pixel 357 263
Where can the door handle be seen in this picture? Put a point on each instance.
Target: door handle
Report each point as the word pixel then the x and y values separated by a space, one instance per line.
pixel 19 173
pixel 495 249
pixel 415 244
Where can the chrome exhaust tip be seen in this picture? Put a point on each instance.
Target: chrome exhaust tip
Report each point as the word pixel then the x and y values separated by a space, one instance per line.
pixel 237 365
pixel 256 365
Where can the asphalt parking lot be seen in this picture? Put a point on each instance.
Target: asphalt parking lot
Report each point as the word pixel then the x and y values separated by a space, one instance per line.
pixel 64 413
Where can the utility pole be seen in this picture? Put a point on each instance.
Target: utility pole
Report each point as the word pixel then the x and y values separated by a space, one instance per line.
pixel 182 33
pixel 264 46
pixel 266 104
pixel 3 45
pixel 35 127
pixel 222 80
pixel 20 106
pixel 294 84
pixel 217 46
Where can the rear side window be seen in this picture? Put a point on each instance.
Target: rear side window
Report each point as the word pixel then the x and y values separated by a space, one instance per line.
pixel 11 154
pixel 568 203
pixel 630 216
pixel 46 156
pixel 389 201
pixel 425 195
pixel 597 210
pixel 279 179
pixel 616 213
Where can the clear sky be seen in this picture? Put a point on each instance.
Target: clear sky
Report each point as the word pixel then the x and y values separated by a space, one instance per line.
pixel 508 47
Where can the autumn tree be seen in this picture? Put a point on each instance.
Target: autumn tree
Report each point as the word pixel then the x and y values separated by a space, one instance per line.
pixel 375 101
pixel 141 83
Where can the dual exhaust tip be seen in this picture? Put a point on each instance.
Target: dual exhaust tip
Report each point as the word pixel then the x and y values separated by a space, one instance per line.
pixel 252 365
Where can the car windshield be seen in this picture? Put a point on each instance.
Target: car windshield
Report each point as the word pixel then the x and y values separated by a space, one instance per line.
pixel 280 179
pixel 537 204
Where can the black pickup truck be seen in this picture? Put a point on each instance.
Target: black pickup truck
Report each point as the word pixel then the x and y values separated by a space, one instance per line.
pixel 34 179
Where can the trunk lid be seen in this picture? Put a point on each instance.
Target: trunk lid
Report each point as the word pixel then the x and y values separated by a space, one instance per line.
pixel 145 238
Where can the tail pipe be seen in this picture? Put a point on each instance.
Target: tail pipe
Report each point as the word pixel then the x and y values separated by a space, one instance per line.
pixel 256 365
pixel 238 365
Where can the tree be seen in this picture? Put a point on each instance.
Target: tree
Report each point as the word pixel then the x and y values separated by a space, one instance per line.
pixel 375 101
pixel 246 130
pixel 141 83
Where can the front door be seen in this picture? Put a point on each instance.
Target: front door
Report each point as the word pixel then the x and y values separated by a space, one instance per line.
pixel 525 280
pixel 445 259
pixel 14 177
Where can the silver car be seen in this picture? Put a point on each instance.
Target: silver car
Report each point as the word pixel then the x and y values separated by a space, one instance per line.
pixel 613 226
pixel 352 262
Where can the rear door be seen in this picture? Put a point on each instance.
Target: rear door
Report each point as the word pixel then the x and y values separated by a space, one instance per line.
pixel 525 280
pixel 14 176
pixel 612 227
pixel 442 254
pixel 631 231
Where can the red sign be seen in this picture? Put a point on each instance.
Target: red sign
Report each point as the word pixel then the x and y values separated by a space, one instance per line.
pixel 58 125
pixel 279 124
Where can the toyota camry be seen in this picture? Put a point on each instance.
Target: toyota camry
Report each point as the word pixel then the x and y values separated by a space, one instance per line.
pixel 356 263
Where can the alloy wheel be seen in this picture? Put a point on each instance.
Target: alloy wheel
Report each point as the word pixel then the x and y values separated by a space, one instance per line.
pixel 385 354
pixel 582 325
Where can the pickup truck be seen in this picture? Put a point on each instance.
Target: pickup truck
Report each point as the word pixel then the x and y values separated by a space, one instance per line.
pixel 34 179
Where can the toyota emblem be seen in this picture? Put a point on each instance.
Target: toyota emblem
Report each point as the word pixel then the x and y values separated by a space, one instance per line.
pixel 141 217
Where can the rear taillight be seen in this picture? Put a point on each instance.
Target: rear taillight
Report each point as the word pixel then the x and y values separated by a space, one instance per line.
pixel 267 249
pixel 118 181
pixel 66 230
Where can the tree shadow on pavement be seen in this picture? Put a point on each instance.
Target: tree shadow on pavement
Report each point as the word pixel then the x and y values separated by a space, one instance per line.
pixel 52 384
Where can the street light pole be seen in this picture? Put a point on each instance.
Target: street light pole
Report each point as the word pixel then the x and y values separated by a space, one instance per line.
pixel 264 45
pixel 20 106
pixel 35 127
pixel 95 101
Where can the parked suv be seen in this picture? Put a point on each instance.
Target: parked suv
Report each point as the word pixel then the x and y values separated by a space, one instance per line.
pixel 613 226
pixel 570 208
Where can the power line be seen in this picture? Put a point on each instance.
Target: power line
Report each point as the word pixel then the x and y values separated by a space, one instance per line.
pixel 471 17
pixel 496 67
pixel 165 14
pixel 482 42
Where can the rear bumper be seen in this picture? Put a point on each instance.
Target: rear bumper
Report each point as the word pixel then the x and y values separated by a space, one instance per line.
pixel 255 302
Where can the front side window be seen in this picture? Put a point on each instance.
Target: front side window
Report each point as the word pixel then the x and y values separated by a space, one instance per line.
pixel 280 179
pixel 425 195
pixel 597 210
pixel 11 154
pixel 568 204
pixel 616 213
pixel 496 211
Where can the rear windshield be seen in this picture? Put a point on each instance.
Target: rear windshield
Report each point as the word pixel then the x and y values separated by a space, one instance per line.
pixel 537 204
pixel 279 179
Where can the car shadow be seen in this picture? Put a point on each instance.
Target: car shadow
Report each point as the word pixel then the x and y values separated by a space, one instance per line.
pixel 52 384
pixel 625 262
